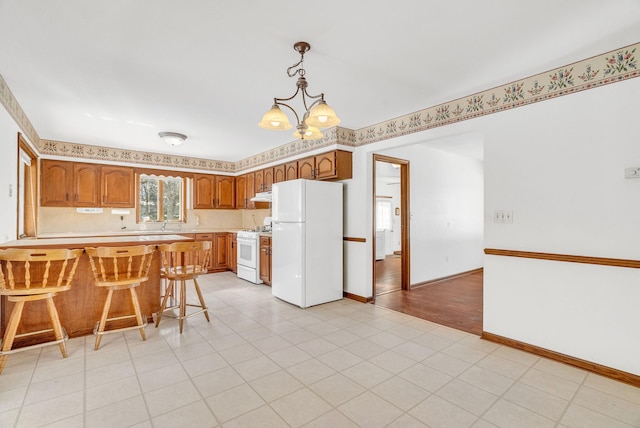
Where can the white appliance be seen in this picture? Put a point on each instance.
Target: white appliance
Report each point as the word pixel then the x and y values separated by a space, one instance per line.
pixel 249 256
pixel 307 263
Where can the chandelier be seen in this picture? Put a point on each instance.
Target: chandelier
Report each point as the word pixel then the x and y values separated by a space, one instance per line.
pixel 317 114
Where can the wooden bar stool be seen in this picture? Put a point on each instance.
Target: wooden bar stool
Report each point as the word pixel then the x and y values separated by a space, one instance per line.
pixel 183 261
pixel 30 275
pixel 120 268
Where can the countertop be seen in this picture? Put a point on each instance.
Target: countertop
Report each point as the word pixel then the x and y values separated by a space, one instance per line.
pixel 131 232
pixel 93 240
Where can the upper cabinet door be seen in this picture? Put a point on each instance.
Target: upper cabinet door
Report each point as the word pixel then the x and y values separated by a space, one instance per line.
pixel 86 185
pixel 225 192
pixel 117 187
pixel 204 192
pixel 307 168
pixel 259 181
pixel 241 191
pixel 291 171
pixel 268 179
pixel 56 183
pixel 279 173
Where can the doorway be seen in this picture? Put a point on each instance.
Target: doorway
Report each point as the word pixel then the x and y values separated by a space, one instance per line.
pixel 390 224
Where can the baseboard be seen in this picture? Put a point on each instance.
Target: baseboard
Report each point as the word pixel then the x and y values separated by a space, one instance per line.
pixel 599 369
pixel 446 278
pixel 357 298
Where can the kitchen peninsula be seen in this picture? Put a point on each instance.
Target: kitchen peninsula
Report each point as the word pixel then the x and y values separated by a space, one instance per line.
pixel 80 307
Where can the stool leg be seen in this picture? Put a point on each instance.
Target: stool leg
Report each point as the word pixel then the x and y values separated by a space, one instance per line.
pixel 10 333
pixel 103 319
pixel 206 313
pixel 136 308
pixel 163 307
pixel 183 303
pixel 57 327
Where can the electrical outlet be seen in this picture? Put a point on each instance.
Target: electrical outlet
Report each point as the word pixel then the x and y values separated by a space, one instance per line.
pixel 503 216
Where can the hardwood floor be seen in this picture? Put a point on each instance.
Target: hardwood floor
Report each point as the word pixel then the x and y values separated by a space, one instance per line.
pixel 388 276
pixel 455 302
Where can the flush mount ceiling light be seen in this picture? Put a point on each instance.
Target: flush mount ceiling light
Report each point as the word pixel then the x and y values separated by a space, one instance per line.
pixel 172 138
pixel 317 114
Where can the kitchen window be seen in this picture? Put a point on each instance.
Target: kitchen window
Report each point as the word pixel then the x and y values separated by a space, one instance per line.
pixel 161 199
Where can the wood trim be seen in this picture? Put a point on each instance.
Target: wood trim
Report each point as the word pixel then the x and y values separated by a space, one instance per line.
pixel 599 369
pixel 405 251
pixel 352 239
pixel 357 298
pixel 30 192
pixel 565 258
pixel 446 278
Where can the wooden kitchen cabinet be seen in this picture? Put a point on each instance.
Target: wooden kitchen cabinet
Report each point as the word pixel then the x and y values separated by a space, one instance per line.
pixel 86 185
pixel 279 173
pixel 204 191
pixel 77 184
pixel 267 182
pixel 232 251
pixel 56 183
pixel 259 181
pixel 333 165
pixel 118 187
pixel 220 253
pixel 307 168
pixel 265 259
pixel 241 191
pixel 225 192
pixel 291 170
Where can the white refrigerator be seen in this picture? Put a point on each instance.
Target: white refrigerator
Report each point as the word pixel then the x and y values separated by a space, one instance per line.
pixel 307 263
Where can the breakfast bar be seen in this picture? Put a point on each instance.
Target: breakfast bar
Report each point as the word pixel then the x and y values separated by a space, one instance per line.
pixel 81 306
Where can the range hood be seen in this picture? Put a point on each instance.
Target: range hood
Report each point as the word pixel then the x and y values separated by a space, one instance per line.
pixel 262 197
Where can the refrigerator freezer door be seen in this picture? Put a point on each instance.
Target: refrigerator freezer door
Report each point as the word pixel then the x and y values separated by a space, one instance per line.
pixel 288 201
pixel 287 274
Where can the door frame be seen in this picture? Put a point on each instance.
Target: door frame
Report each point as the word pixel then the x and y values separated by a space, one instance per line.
pixel 405 256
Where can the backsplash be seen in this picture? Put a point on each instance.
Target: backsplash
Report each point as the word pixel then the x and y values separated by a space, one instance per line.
pixel 66 220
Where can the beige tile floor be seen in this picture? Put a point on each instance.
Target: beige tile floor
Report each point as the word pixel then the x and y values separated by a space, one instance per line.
pixel 261 362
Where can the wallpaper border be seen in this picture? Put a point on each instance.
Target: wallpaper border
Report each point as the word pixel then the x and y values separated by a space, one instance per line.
pixel 610 67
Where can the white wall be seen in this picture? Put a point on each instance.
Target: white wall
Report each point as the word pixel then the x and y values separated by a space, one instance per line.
pixel 559 166
pixel 8 176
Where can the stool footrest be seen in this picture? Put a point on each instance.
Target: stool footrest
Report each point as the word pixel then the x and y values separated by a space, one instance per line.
pixel 115 330
pixel 170 315
pixel 65 337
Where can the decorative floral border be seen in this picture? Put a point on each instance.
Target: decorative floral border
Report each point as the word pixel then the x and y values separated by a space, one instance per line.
pixel 99 153
pixel 11 104
pixel 611 67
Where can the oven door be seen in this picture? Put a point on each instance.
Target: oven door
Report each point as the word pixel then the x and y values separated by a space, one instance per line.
pixel 248 252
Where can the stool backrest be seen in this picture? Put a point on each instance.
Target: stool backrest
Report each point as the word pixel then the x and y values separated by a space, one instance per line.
pixel 120 265
pixel 185 258
pixel 27 271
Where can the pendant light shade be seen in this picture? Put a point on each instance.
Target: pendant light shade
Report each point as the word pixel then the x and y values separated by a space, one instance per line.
pixel 322 116
pixel 275 119
pixel 307 132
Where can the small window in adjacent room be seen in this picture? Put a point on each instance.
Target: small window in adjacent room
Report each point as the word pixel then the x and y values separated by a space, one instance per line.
pixel 383 214
pixel 161 199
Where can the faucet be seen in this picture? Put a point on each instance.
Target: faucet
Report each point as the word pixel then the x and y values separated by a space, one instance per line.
pixel 164 226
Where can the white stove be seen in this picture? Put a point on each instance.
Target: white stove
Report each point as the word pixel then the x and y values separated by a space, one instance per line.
pixel 249 256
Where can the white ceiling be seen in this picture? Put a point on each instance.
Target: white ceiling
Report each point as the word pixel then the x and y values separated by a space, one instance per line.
pixel 115 73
